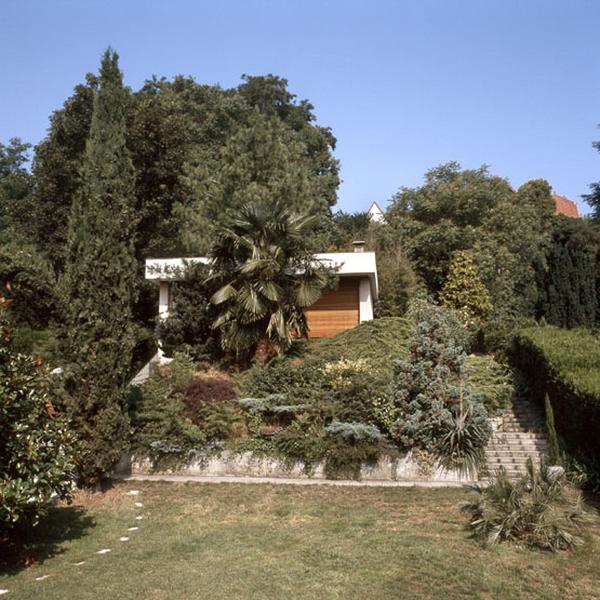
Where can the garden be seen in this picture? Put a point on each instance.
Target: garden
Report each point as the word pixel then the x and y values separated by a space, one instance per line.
pixel 485 295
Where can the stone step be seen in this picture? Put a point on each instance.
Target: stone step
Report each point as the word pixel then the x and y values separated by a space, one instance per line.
pixel 516 453
pixel 522 418
pixel 519 435
pixel 509 463
pixel 520 429
pixel 508 444
pixel 517 448
pixel 525 413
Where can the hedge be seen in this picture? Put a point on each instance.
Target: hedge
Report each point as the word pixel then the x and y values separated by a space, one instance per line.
pixel 565 364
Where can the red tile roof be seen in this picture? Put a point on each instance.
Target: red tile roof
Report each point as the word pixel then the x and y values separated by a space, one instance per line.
pixel 566 207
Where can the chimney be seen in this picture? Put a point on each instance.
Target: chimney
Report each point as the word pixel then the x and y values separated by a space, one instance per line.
pixel 359 245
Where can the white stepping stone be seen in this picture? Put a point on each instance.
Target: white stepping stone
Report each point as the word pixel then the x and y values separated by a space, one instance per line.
pixel 123 539
pixel 132 528
pixel 42 577
pixel 139 518
pixel 103 551
pixel 133 492
pixel 81 562
pixel 138 505
pixel 2 592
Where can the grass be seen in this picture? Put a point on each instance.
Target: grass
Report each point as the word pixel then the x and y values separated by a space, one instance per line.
pixel 271 542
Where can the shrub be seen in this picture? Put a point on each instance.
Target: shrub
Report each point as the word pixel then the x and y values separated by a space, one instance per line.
pixel 189 328
pixel 209 404
pixel 538 509
pixel 334 412
pixel 565 364
pixel 380 341
pixel 37 447
pixel 161 429
pixel 490 381
pixel 465 292
pixel 346 452
pixel 436 411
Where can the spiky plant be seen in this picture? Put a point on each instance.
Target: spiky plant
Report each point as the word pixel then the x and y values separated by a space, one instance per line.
pixel 538 509
pixel 266 277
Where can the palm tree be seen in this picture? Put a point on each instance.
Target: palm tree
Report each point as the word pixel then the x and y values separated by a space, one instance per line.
pixel 266 277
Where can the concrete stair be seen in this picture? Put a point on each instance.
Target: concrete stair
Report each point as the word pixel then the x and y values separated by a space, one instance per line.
pixel 520 435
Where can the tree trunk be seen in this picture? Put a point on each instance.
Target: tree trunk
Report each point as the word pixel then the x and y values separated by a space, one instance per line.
pixel 261 353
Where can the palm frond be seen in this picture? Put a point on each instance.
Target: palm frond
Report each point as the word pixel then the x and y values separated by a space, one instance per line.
pixel 227 292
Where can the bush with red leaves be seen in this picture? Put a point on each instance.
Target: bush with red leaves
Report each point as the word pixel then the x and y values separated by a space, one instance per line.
pixel 210 404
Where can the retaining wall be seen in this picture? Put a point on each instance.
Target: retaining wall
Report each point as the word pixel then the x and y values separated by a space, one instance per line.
pixel 248 465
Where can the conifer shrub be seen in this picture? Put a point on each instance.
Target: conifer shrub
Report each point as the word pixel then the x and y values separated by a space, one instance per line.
pixel 162 431
pixel 565 364
pixel 553 446
pixel 349 446
pixel 539 510
pixel 380 341
pixel 209 404
pixel 437 412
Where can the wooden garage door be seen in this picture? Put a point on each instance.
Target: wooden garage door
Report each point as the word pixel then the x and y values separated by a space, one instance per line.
pixel 335 311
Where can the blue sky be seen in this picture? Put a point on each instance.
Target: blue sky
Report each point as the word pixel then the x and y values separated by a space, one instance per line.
pixel 405 85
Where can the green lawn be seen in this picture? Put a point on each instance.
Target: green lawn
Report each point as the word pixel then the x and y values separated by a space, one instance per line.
pixel 273 542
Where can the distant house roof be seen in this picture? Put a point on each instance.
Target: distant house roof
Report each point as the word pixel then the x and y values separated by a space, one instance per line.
pixel 349 264
pixel 376 215
pixel 564 206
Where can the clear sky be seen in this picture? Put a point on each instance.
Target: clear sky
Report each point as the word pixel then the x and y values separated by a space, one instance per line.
pixel 405 85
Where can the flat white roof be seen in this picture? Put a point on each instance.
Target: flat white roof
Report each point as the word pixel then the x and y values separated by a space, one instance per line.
pixel 348 264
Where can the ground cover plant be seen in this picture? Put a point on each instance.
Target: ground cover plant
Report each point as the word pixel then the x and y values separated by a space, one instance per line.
pixel 271 542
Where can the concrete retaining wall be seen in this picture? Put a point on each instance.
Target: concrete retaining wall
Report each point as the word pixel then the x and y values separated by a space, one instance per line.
pixel 248 465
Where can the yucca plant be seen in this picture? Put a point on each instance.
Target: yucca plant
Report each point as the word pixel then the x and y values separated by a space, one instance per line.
pixel 538 509
pixel 267 277
pixel 462 446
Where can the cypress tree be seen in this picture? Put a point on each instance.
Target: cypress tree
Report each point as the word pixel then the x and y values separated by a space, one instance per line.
pixel 553 446
pixel 570 295
pixel 98 283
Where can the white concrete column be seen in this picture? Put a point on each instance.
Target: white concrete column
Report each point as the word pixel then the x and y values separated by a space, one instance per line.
pixel 365 300
pixel 164 299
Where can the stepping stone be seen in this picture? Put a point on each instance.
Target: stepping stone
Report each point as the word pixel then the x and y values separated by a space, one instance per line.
pixel 123 539
pixel 132 528
pixel 133 492
pixel 2 592
pixel 82 562
pixel 42 577
pixel 103 551
pixel 139 518
pixel 138 505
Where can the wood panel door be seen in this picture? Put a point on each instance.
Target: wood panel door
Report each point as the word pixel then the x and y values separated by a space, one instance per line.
pixel 335 311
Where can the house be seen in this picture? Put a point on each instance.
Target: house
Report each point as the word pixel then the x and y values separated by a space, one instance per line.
pixel 375 214
pixel 564 206
pixel 337 310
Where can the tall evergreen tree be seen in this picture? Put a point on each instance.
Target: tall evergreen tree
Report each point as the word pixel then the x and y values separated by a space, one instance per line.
pixel 98 281
pixel 569 296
